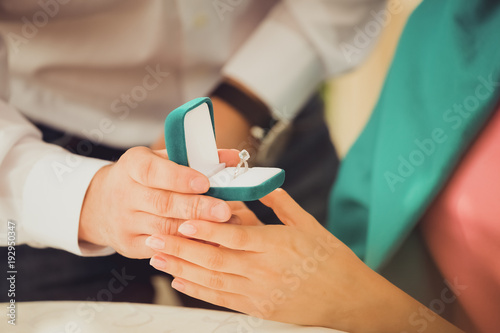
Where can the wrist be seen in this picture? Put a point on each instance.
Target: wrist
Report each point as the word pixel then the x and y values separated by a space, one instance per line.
pixel 383 307
pixel 231 128
pixel 88 228
pixel 244 102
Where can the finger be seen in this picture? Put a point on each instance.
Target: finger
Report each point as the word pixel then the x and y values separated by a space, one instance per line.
pixel 204 255
pixel 237 205
pixel 235 219
pixel 135 248
pixel 199 275
pixel 248 217
pixel 244 215
pixel 161 152
pixel 151 170
pixel 237 237
pixel 182 206
pixel 287 210
pixel 229 156
pixel 228 300
pixel 146 223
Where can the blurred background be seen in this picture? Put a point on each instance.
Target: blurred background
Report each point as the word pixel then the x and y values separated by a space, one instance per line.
pixel 346 111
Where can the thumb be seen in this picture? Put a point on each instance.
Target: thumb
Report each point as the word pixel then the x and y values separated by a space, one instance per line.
pixel 161 152
pixel 287 210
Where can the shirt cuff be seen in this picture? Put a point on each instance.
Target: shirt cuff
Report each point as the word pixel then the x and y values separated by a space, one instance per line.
pixel 279 66
pixel 53 197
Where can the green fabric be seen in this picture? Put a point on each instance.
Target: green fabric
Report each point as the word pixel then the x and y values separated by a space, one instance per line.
pixel 249 193
pixel 440 90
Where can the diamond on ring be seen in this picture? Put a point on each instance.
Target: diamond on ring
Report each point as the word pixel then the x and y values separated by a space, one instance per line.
pixel 244 157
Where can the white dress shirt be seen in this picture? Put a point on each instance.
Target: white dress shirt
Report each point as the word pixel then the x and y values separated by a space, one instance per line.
pixel 111 70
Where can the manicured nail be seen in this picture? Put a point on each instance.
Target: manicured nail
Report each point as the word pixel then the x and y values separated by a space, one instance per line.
pixel 158 262
pixel 187 229
pixel 219 211
pixel 155 243
pixel 177 285
pixel 200 185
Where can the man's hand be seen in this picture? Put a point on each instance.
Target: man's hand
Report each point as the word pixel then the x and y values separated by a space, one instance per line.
pixel 142 194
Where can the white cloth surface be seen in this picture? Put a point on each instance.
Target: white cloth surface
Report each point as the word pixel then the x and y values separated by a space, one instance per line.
pixel 45 317
pixel 111 70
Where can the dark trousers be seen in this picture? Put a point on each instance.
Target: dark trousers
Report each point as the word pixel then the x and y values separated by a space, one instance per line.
pixel 310 163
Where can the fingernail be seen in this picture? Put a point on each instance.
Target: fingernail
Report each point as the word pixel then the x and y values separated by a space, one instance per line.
pixel 199 184
pixel 187 229
pixel 158 262
pixel 177 285
pixel 219 211
pixel 155 243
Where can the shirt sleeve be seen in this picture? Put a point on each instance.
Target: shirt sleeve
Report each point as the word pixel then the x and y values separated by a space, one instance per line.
pixel 42 185
pixel 301 43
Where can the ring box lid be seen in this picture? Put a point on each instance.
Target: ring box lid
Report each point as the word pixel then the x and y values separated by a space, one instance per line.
pixel 190 141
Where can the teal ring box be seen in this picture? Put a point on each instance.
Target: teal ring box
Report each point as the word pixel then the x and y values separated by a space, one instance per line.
pixel 190 141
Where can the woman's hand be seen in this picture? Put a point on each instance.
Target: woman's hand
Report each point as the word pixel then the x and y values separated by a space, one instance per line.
pixel 274 272
pixel 242 215
pixel 297 273
pixel 142 194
